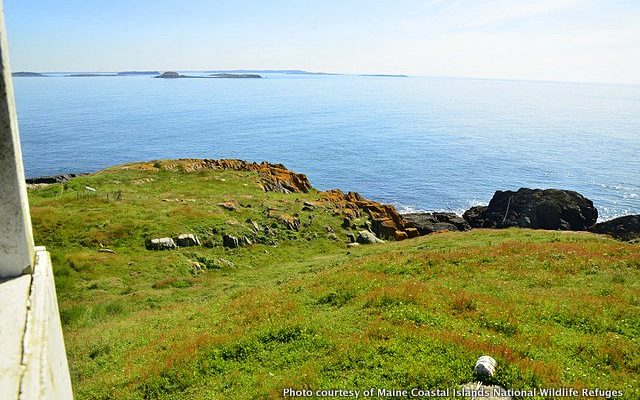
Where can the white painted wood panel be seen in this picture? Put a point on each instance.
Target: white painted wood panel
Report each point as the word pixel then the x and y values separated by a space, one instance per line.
pixel 14 298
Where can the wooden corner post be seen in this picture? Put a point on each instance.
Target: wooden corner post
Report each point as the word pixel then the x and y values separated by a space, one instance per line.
pixel 16 238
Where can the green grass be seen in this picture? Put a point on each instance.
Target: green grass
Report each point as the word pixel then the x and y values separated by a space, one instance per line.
pixel 301 310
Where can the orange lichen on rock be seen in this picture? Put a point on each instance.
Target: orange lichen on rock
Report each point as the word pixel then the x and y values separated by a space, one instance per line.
pixel 385 219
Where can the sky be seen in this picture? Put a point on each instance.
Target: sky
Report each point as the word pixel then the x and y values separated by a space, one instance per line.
pixel 558 40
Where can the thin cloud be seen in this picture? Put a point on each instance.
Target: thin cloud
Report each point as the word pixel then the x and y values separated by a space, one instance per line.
pixel 496 12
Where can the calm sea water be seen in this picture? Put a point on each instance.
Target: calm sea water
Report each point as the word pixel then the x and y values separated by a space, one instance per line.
pixel 418 143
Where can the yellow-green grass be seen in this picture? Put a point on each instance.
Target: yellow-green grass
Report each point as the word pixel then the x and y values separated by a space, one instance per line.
pixel 303 311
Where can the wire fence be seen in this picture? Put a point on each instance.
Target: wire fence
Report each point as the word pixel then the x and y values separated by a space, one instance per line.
pixel 94 194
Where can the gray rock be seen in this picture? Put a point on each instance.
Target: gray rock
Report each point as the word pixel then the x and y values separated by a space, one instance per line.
pixel 165 243
pixel 254 225
pixel 367 226
pixel 485 367
pixel 228 205
pixel 623 228
pixel 187 240
pixel 230 241
pixel 346 223
pixel 353 244
pixel 351 237
pixel 366 237
pixel 308 206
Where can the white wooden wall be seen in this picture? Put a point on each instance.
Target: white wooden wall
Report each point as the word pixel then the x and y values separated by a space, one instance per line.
pixel 16 240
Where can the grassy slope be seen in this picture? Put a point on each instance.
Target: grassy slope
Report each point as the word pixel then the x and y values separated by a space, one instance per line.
pixel 553 308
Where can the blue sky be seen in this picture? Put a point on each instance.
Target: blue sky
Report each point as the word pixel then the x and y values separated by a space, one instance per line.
pixel 575 40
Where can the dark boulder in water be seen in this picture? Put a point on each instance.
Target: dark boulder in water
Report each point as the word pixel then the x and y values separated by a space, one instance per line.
pixel 622 228
pixel 552 209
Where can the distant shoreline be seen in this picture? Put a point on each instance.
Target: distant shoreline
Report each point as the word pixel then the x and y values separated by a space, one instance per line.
pixel 208 73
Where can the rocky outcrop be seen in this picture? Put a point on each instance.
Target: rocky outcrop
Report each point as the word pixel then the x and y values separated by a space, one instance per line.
pixel 382 219
pixel 475 216
pixel 552 209
pixel 51 179
pixel 427 223
pixel 386 222
pixel 292 223
pixel 273 177
pixel 623 228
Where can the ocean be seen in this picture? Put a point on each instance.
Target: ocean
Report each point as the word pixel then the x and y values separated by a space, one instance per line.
pixel 420 143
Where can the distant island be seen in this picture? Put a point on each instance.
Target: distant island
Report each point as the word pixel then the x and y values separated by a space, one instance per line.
pixel 134 73
pixel 25 74
pixel 88 75
pixel 175 75
pixel 226 75
pixel 272 71
pixel 170 75
pixel 232 73
pixel 386 75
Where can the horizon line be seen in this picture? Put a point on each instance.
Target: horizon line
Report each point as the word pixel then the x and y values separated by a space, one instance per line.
pixel 294 71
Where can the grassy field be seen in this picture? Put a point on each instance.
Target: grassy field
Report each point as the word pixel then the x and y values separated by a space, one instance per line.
pixel 297 309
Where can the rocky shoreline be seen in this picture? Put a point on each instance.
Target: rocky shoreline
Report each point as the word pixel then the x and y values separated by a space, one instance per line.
pixel 62 178
pixel 549 209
